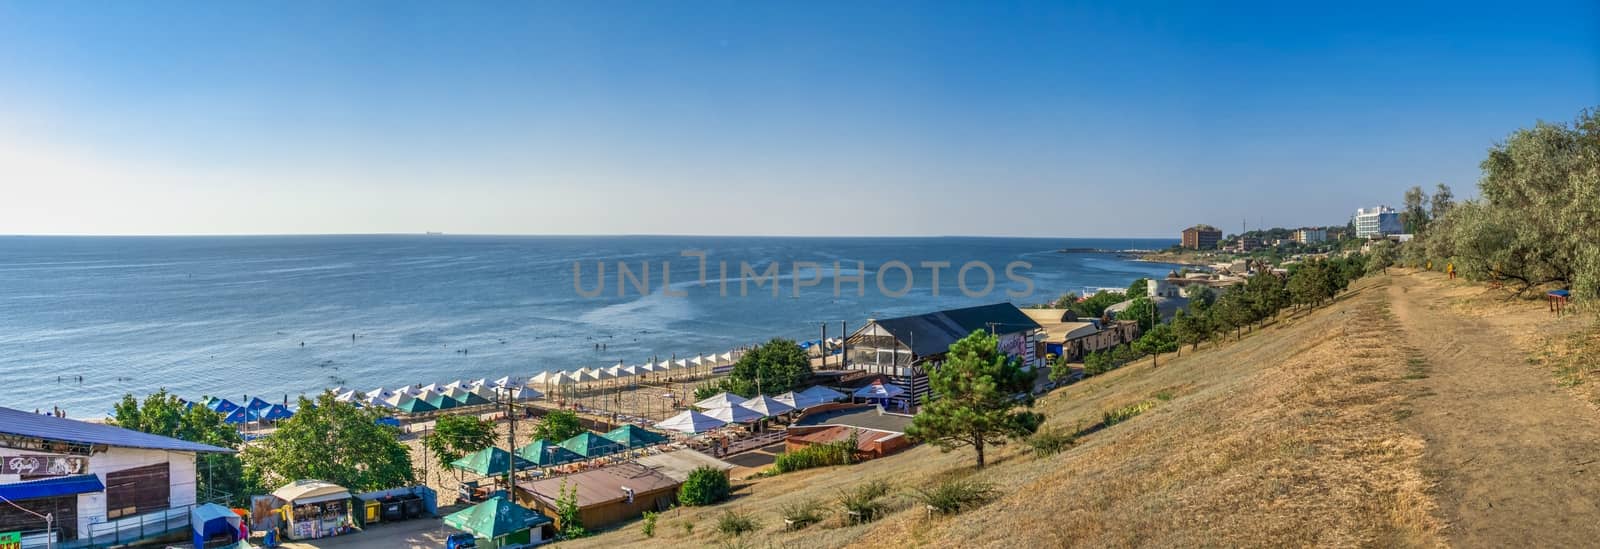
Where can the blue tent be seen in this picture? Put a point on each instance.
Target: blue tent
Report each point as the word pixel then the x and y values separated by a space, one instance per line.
pixel 392 422
pixel 222 406
pixel 240 415
pixel 257 405
pixel 210 520
pixel 276 413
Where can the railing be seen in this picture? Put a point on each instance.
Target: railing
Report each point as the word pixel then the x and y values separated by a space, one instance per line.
pixel 128 530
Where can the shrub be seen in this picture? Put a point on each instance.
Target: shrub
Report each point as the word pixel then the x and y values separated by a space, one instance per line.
pixel 862 502
pixel 1049 443
pixel 1119 415
pixel 734 523
pixel 804 513
pixel 705 486
pixel 955 496
pixel 650 523
pixel 842 452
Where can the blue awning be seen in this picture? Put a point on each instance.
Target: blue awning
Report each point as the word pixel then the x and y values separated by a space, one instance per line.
pixel 64 486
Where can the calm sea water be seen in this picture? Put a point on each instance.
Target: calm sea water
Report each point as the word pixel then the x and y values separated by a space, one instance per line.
pixel 227 316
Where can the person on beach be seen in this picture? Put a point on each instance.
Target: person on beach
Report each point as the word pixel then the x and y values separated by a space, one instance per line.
pixel 1450 269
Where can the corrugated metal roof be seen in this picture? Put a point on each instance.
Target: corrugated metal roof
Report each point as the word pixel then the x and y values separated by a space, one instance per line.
pixel 932 333
pixel 28 424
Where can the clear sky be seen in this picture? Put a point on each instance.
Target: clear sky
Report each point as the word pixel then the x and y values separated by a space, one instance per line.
pixel 805 118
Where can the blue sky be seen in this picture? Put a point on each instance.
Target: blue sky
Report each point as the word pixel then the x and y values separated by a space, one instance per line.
pixel 813 118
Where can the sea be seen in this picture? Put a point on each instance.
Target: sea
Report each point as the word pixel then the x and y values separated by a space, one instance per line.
pixel 85 320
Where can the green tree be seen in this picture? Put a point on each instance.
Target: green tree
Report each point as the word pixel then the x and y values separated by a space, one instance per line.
pixel 458 435
pixel 332 441
pixel 1141 310
pixel 568 512
pixel 777 366
pixel 1381 258
pixel 980 398
pixel 1138 288
pixel 161 413
pixel 1190 329
pixel 1159 339
pixel 1443 200
pixel 704 486
pixel 1416 210
pixel 558 425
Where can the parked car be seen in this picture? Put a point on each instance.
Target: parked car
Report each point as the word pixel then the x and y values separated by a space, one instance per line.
pixel 462 540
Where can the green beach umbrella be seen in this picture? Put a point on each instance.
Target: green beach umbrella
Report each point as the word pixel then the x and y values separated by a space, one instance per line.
pixel 633 436
pixel 414 406
pixel 439 401
pixel 590 445
pixel 490 462
pixel 465 397
pixel 546 454
pixel 495 518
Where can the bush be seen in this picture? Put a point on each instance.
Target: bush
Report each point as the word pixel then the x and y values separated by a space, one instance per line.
pixel 861 502
pixel 955 496
pixel 705 486
pixel 734 523
pixel 650 523
pixel 805 513
pixel 842 452
pixel 1049 443
pixel 1119 415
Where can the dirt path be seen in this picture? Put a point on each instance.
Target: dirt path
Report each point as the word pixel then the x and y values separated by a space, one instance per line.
pixel 1515 456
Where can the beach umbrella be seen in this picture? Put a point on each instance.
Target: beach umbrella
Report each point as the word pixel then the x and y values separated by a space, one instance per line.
pixel 618 371
pixel 725 359
pixel 465 397
pixel 222 406
pixel 277 412
pixel 409 404
pixel 820 394
pixel 378 402
pixel 479 382
pixel 646 368
pixel 495 518
pixel 485 392
pixel 257 405
pixel 347 396
pixel 720 400
pixel 490 462
pixel 240 415
pixel 634 436
pixel 526 393
pixel 547 454
pixel 767 406
pixel 429 388
pixel 735 414
pixel 439 401
pixel 680 364
pixel 451 385
pixel 879 389
pixel 380 393
pixel 691 422
pixel 587 376
pixel 503 382
pixel 590 445
pixel 798 400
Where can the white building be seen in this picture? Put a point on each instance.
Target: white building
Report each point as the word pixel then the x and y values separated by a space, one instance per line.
pixel 1377 222
pixel 1310 236
pixel 97 483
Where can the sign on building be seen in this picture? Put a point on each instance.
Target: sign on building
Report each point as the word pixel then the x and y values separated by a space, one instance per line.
pixel 43 466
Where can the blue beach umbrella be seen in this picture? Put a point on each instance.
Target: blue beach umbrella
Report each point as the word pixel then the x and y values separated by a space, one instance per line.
pixel 240 415
pixel 257 405
pixel 223 406
pixel 277 413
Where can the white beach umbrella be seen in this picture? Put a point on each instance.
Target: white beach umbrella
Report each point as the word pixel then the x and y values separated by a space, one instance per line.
pixel 454 385
pixel 735 414
pixel 725 359
pixel 380 393
pixel 767 406
pixel 563 378
pixel 720 400
pixel 429 388
pixel 618 371
pixel 398 400
pixel 602 374
pixel 347 396
pixel 525 393
pixel 541 378
pixel 377 403
pixel 479 382
pixel 646 368
pixel 485 391
pixel 691 422
pixel 680 364
pixel 503 382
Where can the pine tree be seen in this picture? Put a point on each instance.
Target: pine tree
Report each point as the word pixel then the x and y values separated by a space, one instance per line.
pixel 975 399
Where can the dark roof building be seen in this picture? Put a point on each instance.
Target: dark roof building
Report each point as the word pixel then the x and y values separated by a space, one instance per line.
pixel 900 348
pixel 70 431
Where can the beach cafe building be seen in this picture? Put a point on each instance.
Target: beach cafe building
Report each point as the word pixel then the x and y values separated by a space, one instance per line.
pixel 98 484
pixel 902 349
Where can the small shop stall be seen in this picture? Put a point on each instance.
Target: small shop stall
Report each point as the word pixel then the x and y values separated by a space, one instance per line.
pixel 315 509
pixel 214 526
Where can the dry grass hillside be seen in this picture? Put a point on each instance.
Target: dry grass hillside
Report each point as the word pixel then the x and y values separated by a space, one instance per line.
pixel 1291 436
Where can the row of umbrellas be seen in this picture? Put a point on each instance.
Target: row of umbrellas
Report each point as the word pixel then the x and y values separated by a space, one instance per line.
pixel 432 397
pixel 591 375
pixel 728 408
pixel 494 461
pixel 253 411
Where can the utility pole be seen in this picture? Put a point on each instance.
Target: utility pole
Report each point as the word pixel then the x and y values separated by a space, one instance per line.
pixel 824 347
pixel 511 442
